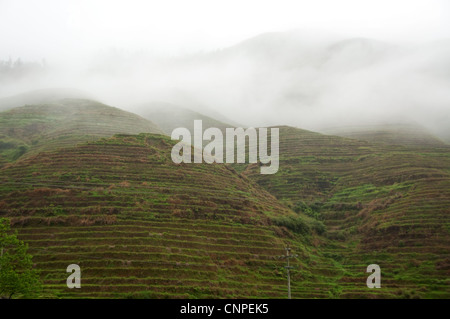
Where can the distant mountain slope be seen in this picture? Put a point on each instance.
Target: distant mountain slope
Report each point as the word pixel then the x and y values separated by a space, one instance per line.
pixel 34 128
pixel 168 117
pixel 381 204
pixel 41 97
pixel 141 226
pixel 395 134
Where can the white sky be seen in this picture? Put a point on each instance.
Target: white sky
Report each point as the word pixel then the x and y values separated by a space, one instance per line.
pixel 48 28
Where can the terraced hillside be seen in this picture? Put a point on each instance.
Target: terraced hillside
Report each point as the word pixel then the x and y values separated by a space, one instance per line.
pixel 381 204
pixel 34 128
pixel 141 226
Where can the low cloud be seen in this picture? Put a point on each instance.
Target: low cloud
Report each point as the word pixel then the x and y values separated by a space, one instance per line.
pixel 289 78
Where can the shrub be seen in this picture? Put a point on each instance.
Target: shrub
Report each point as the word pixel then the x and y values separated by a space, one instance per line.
pixel 293 223
pixel 19 152
pixel 318 227
pixel 311 211
pixel 17 276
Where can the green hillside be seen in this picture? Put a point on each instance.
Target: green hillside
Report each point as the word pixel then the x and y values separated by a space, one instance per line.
pixel 34 128
pixel 381 204
pixel 141 226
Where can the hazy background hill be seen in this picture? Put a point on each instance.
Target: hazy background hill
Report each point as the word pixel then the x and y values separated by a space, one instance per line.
pixel 395 134
pixel 169 117
pixel 42 96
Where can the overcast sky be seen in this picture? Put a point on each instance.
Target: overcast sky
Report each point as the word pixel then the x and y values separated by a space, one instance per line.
pixel 51 28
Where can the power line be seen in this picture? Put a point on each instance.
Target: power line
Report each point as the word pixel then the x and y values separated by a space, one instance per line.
pixel 288 268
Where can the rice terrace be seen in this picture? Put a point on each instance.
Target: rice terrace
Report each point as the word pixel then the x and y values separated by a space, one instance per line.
pixel 202 160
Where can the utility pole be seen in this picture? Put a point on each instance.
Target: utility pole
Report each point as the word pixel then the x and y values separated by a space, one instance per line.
pixel 288 268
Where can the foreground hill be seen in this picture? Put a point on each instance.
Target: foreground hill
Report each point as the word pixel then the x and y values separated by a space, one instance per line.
pixel 381 204
pixel 141 226
pixel 34 128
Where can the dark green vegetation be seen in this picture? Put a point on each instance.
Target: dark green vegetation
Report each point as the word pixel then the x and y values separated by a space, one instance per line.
pixel 381 204
pixel 34 128
pixel 141 226
pixel 17 276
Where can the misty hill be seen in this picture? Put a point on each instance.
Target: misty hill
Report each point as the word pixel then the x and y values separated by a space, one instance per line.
pixel 283 50
pixel 42 96
pixel 381 204
pixel 294 78
pixel 294 50
pixel 35 128
pixel 147 227
pixel 181 98
pixel 168 117
pixel 354 53
pixel 395 134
